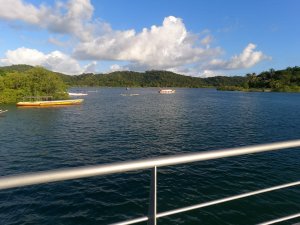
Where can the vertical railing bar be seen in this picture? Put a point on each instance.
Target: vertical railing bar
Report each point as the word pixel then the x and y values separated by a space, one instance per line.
pixel 153 198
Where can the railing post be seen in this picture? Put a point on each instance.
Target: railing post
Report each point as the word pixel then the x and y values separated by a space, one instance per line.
pixel 153 198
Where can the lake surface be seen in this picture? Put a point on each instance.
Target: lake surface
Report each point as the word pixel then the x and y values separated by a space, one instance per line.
pixel 109 127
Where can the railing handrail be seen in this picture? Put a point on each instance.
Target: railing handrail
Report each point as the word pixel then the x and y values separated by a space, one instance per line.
pixel 154 163
pixel 214 202
pixel 112 168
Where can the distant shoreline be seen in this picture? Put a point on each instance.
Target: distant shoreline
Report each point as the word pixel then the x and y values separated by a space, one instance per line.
pixel 235 88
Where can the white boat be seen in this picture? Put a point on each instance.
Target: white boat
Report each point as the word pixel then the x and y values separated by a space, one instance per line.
pixel 130 94
pixel 77 94
pixel 166 91
pixel 3 111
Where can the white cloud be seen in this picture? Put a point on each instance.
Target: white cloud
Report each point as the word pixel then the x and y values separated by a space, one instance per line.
pixel 169 46
pixel 196 72
pixel 71 18
pixel 117 67
pixel 207 40
pixel 209 73
pixel 56 42
pixel 90 68
pixel 17 10
pixel 248 58
pixel 160 47
pixel 55 61
pixel 23 56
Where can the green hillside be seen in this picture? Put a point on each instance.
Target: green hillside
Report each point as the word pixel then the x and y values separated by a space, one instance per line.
pixel 287 80
pixel 153 78
pixel 17 68
pixel 18 81
pixel 149 79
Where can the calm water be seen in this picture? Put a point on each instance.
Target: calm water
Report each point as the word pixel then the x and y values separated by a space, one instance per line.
pixel 109 127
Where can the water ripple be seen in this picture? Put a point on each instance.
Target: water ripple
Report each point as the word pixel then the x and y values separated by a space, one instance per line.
pixel 110 128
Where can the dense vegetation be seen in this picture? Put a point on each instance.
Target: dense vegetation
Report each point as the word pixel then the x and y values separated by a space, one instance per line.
pixel 19 81
pixel 33 81
pixel 149 79
pixel 287 80
pixel 15 68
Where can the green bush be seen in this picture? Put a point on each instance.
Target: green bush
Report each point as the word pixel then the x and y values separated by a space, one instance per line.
pixel 15 85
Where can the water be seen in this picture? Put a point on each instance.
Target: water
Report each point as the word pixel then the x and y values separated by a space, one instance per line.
pixel 109 127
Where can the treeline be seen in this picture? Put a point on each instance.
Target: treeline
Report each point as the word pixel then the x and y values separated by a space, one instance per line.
pixel 280 80
pixel 153 78
pixel 18 81
pixel 21 81
pixel 287 80
pixel 14 68
pixel 149 79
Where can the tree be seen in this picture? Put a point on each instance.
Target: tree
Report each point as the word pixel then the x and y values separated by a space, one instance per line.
pixel 37 81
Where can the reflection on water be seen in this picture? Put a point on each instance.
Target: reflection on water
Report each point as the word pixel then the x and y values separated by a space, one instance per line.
pixel 109 127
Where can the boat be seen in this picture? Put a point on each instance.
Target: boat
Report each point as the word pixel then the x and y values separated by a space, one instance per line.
pixel 77 94
pixel 3 111
pixel 130 94
pixel 167 91
pixel 51 103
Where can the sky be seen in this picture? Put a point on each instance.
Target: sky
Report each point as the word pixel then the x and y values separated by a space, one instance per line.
pixel 197 38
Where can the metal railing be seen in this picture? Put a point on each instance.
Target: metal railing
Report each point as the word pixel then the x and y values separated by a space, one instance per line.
pixel 153 164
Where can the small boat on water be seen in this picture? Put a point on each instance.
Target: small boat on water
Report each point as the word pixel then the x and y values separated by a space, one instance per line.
pixel 77 94
pixel 130 94
pixel 51 103
pixel 3 111
pixel 167 91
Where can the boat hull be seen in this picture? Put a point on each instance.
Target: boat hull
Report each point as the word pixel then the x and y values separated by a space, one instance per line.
pixel 51 103
pixel 77 94
pixel 166 91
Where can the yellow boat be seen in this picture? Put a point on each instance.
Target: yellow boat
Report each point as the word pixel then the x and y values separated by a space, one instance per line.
pixel 51 103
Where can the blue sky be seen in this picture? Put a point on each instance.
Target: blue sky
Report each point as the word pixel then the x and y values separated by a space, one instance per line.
pixel 198 38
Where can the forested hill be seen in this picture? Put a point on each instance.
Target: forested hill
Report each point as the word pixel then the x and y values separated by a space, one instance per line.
pixel 287 80
pixel 14 68
pixel 17 82
pixel 149 79
pixel 281 80
pixel 136 79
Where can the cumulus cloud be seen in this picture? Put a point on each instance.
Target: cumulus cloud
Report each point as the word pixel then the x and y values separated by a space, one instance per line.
pixel 196 71
pixel 207 40
pixel 90 68
pixel 160 47
pixel 72 18
pixel 55 61
pixel 56 42
pixel 248 58
pixel 115 67
pixel 169 46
